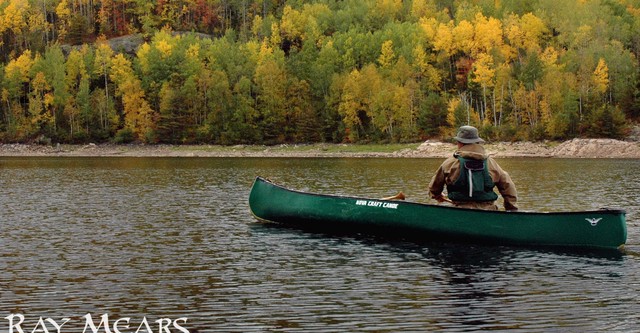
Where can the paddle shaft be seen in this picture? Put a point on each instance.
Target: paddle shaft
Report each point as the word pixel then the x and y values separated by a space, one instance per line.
pixel 399 196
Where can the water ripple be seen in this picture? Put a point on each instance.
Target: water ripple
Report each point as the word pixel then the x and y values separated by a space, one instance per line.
pixel 170 238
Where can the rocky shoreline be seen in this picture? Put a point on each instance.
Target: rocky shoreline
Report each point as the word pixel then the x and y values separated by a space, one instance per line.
pixel 576 148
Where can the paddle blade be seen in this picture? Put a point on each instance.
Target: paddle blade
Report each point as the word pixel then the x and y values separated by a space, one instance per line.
pixel 399 196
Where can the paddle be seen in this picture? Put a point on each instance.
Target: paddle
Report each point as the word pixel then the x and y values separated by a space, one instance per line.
pixel 447 200
pixel 399 196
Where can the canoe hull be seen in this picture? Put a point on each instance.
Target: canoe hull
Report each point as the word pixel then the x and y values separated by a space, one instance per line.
pixel 588 229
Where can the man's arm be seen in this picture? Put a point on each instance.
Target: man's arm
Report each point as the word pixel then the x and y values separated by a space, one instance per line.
pixel 505 186
pixel 436 186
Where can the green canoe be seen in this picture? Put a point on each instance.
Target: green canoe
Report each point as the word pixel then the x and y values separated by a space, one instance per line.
pixel 605 229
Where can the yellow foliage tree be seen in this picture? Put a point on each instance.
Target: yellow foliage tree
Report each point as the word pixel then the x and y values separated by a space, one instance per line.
pixel 357 101
pixel 455 116
pixel 292 23
pixel 64 15
pixel 444 39
pixel 387 56
pixel 350 104
pixel 388 9
pixel 525 32
pixel 484 74
pixel 314 25
pixel 275 40
pixel 270 79
pixel 138 115
pixel 463 37
pixel 16 75
pixel 483 71
pixel 549 58
pixel 15 17
pixel 487 34
pixel 101 65
pixel 426 72
pixel 600 77
pixel 20 67
pixel 429 25
pixel 40 98
pixel 534 30
pixel 423 8
pixel 256 26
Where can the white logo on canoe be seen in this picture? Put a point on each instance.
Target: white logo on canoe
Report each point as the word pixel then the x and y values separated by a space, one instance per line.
pixel 594 221
pixel 374 203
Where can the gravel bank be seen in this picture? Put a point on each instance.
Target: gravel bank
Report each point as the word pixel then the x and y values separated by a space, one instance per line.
pixel 576 148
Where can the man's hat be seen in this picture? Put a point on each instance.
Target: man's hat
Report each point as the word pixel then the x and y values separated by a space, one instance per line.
pixel 468 134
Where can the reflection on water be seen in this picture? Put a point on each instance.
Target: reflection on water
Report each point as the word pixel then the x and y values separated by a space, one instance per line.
pixel 170 238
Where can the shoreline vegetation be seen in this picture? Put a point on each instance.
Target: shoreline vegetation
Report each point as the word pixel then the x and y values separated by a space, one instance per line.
pixel 274 72
pixel 576 148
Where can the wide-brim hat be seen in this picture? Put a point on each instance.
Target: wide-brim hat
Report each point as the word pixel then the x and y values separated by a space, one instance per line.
pixel 468 134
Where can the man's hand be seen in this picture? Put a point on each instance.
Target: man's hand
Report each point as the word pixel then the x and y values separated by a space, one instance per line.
pixel 440 199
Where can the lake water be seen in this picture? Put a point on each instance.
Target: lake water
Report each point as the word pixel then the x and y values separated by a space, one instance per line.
pixel 146 239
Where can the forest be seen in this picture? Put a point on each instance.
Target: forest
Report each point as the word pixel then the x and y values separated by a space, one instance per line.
pixel 291 71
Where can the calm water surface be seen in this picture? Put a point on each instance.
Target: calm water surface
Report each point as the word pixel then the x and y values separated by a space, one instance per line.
pixel 152 238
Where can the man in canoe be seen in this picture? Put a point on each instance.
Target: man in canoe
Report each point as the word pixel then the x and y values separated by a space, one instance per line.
pixel 470 176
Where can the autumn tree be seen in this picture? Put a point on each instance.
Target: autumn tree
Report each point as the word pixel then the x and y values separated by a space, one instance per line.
pixel 139 118
pixel 271 86
pixel 77 109
pixel 56 97
pixel 103 102
pixel 14 91
pixel 354 104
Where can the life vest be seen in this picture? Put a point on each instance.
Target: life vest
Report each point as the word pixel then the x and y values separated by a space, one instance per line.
pixel 474 182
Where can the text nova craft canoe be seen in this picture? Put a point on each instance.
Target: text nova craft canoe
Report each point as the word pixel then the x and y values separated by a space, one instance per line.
pixel 604 229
